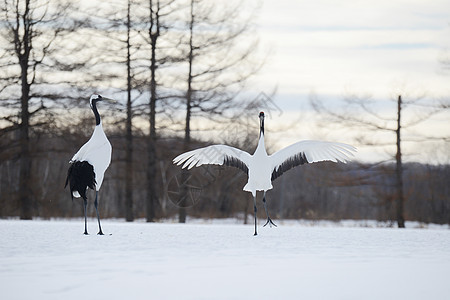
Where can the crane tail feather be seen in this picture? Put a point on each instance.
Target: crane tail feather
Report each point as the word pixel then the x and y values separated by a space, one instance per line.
pixel 80 177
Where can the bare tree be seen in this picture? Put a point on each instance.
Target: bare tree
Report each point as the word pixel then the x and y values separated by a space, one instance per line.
pixel 399 168
pixel 31 30
pixel 158 11
pixel 362 113
pixel 154 33
pixel 120 45
pixel 129 128
pixel 218 65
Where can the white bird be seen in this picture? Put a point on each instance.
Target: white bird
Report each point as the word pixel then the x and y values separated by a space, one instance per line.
pixel 261 168
pixel 88 165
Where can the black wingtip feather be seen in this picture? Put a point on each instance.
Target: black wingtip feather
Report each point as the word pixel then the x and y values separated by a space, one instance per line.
pixel 234 162
pixel 296 160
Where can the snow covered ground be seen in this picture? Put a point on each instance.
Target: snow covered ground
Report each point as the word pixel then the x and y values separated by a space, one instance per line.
pixel 54 260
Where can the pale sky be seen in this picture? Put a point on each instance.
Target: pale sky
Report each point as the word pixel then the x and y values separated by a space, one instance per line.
pixel 368 47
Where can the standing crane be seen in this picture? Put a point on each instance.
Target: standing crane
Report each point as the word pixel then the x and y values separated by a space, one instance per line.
pixel 261 168
pixel 88 165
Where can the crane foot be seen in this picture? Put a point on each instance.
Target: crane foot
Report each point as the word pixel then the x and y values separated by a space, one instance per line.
pixel 270 222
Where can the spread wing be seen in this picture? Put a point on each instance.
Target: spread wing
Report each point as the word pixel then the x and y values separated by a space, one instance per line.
pixel 214 155
pixel 308 152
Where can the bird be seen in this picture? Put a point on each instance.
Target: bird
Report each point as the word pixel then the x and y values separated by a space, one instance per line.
pixel 87 167
pixel 262 168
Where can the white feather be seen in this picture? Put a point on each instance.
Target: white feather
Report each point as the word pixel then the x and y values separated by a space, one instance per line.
pixel 97 151
pixel 314 151
pixel 214 155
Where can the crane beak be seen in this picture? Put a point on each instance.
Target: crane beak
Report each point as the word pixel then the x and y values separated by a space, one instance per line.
pixel 109 100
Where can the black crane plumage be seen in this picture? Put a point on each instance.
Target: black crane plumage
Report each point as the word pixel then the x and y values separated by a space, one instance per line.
pixel 81 176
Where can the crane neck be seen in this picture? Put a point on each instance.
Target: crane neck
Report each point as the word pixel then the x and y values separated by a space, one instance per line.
pixel 261 145
pixel 261 128
pixel 96 114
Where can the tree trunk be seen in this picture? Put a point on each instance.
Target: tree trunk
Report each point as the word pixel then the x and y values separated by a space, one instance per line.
pixel 23 48
pixel 25 193
pixel 151 169
pixel 399 169
pixel 129 134
pixel 187 131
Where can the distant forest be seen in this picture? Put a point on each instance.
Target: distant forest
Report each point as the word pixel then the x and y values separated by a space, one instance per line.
pixel 319 191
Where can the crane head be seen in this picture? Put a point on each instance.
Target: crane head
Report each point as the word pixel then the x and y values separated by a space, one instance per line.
pixel 96 98
pixel 261 123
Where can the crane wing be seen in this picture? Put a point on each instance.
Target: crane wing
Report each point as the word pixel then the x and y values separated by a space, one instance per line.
pixel 81 154
pixel 308 152
pixel 214 155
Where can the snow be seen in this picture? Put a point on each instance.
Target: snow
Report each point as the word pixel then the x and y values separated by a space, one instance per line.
pixel 54 260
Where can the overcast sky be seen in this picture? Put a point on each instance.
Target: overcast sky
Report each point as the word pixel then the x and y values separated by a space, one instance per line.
pixel 366 47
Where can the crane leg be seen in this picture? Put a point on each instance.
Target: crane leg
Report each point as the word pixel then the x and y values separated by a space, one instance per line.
pixel 269 220
pixel 255 210
pixel 100 232
pixel 85 216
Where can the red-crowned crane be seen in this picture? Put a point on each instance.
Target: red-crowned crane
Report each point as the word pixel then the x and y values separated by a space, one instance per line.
pixel 88 165
pixel 261 168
